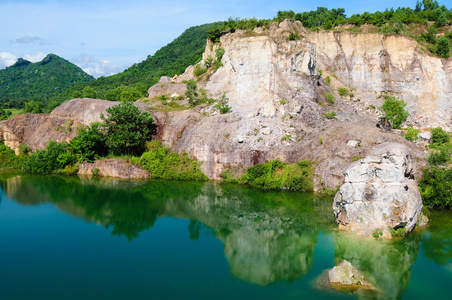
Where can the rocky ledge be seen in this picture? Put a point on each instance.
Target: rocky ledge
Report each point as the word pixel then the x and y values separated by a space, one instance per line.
pixel 113 168
pixel 380 194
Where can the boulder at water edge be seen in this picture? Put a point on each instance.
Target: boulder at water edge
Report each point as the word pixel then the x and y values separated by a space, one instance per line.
pixel 379 193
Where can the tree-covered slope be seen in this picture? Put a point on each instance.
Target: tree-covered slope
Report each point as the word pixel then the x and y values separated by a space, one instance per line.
pixel 169 60
pixel 24 80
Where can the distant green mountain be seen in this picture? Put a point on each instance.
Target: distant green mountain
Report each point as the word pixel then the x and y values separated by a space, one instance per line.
pixel 25 81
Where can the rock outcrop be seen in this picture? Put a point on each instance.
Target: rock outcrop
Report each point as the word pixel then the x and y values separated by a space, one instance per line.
pixel 380 193
pixel 113 168
pixel 345 276
pixel 37 130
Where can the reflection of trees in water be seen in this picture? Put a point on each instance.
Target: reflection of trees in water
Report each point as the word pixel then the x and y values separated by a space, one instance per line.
pixel 387 264
pixel 437 237
pixel 268 236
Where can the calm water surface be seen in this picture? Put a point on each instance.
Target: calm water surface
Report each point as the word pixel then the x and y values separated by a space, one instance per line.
pixel 72 238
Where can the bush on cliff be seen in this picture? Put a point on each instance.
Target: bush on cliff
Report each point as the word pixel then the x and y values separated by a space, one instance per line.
pixel 394 111
pixel 89 144
pixel 277 175
pixel 164 164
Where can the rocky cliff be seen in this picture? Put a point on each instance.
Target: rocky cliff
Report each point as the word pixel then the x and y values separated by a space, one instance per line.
pixel 279 100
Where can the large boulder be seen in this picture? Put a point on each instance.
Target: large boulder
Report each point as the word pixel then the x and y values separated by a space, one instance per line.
pixel 380 193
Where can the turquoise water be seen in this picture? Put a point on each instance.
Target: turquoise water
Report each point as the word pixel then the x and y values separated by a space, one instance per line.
pixel 71 238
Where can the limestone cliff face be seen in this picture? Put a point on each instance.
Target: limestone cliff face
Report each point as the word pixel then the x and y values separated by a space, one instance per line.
pixel 375 64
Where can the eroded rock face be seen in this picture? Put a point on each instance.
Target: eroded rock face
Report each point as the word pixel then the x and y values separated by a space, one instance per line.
pixel 380 192
pixel 113 168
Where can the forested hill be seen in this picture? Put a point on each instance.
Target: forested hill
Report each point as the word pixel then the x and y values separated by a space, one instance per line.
pixel 170 60
pixel 25 81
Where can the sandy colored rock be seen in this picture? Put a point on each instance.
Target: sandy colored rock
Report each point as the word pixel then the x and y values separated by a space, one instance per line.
pixel 345 275
pixel 113 168
pixel 379 193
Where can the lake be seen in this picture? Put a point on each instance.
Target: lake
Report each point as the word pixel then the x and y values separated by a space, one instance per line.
pixel 102 238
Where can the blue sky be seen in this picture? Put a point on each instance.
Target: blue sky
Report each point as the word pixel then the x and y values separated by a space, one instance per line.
pixel 104 37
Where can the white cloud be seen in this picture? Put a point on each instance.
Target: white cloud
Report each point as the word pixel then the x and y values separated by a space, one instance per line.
pixel 94 66
pixel 30 39
pixel 7 59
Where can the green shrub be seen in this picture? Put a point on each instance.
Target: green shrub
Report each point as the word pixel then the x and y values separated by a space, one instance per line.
pixel 330 115
pixel 377 233
pixel 440 156
pixel 199 71
pixel 276 175
pixel 223 104
pixel 54 157
pixel 439 136
pixel 293 36
pixel 411 134
pixel 4 114
pixel 397 232
pixel 89 144
pixel 342 91
pixel 443 47
pixel 282 101
pixel 329 98
pixel 9 159
pixel 328 80
pixel 436 187
pixel 394 111
pixel 219 54
pixel 164 164
pixel 127 129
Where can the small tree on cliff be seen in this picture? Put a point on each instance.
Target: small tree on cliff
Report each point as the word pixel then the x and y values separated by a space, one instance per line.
pixel 443 47
pixel 127 129
pixel 394 111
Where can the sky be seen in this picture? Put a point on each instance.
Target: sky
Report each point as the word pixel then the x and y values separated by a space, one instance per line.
pixel 104 37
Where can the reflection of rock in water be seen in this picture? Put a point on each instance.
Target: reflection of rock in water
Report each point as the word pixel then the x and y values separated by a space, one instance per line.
pixel 262 244
pixel 268 236
pixel 387 264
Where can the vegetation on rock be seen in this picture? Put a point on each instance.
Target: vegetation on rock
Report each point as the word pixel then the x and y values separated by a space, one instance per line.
pixel 276 175
pixel 394 111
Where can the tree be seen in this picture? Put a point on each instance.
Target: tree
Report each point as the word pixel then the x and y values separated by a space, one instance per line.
pixel 127 129
pixel 89 144
pixel 33 107
pixel 394 111
pixel 191 93
pixel 443 47
pixel 89 92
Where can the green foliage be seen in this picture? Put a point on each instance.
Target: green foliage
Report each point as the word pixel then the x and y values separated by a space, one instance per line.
pixel 89 92
pixel 199 70
pixel 127 129
pixel 329 98
pixel 436 187
pixel 328 80
pixel 440 155
pixel 439 136
pixel 293 36
pixel 54 157
pixel 377 233
pixel 411 134
pixel 282 101
pixel 124 93
pixel 276 175
pixel 443 47
pixel 9 159
pixel 330 115
pixel 90 143
pixel 164 164
pixel 223 104
pixel 342 91
pixel 397 232
pixel 394 111
pixel 4 114
pixel 33 107
pixel 219 54
pixel 25 81
pixel 192 93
